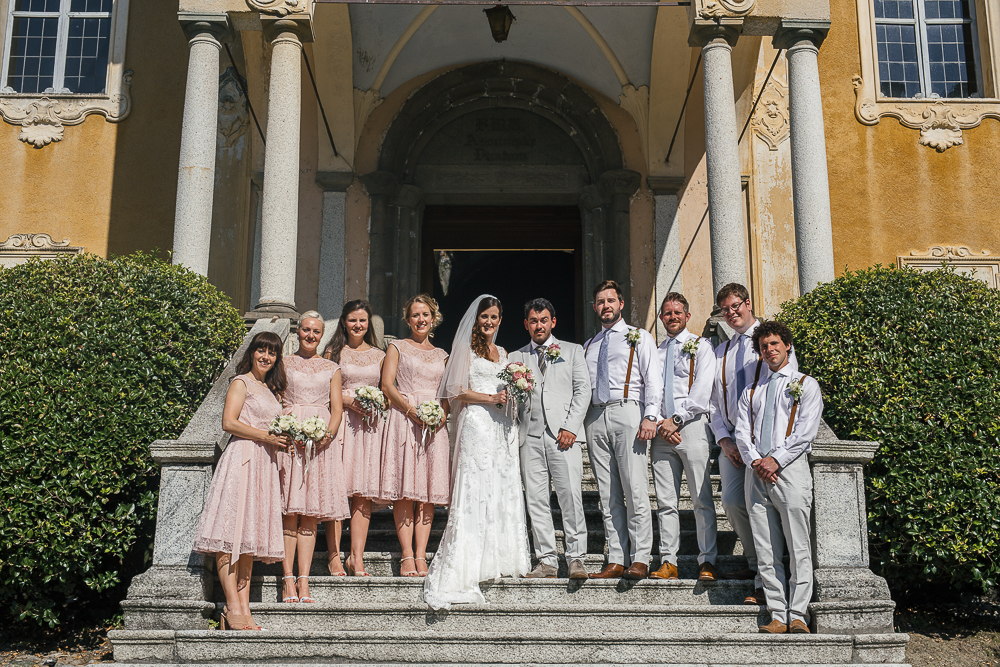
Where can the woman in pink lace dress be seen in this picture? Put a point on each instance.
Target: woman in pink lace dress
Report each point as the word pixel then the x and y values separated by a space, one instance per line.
pixel 353 346
pixel 312 483
pixel 416 471
pixel 242 516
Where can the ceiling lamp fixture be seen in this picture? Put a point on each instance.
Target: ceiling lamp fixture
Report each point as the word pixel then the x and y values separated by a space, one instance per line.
pixel 500 18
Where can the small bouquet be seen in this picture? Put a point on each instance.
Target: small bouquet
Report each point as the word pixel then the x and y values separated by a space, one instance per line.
pixel 372 402
pixel 795 390
pixel 285 424
pixel 633 336
pixel 690 347
pixel 432 415
pixel 552 352
pixel 312 430
pixel 519 380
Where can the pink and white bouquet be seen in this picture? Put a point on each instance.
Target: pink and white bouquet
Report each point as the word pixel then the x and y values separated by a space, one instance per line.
pixel 519 380
pixel 371 402
pixel 553 352
pixel 311 432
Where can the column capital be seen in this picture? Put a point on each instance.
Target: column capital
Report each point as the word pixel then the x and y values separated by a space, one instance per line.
pixel 194 24
pixel 380 183
pixel 793 31
pixel 704 32
pixel 277 27
pixel 620 182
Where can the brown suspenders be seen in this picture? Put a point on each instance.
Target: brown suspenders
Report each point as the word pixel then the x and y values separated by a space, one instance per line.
pixel 628 373
pixel 756 378
pixel 795 408
pixel 691 372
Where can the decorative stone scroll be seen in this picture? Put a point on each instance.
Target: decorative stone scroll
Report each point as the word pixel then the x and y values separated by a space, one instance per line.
pixel 277 7
pixel 770 121
pixel 981 266
pixel 714 9
pixel 19 248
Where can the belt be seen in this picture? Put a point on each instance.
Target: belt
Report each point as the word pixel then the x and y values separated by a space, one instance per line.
pixel 620 401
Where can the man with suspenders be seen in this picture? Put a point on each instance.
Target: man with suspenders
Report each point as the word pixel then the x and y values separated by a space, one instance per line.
pixel 627 388
pixel 777 423
pixel 737 368
pixel 682 444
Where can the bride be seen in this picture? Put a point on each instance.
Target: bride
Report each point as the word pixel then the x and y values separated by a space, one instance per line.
pixel 486 535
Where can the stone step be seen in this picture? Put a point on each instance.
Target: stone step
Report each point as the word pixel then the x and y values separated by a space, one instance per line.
pixel 522 647
pixel 386 564
pixel 507 591
pixel 499 664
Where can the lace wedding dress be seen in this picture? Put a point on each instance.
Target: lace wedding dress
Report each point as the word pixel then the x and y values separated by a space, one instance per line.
pixel 486 535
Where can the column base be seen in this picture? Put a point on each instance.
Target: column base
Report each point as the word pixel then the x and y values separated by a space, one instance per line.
pixel 172 582
pixel 265 311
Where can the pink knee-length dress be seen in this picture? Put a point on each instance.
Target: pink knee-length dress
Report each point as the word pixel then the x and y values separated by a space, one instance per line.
pixel 362 441
pixel 242 513
pixel 411 469
pixel 320 492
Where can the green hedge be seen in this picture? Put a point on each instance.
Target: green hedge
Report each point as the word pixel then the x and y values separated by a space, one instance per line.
pixel 98 358
pixel 912 359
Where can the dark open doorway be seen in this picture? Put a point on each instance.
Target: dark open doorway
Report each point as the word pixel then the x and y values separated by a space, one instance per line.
pixel 516 253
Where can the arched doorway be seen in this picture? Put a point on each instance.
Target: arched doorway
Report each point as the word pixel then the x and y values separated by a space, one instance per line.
pixel 499 143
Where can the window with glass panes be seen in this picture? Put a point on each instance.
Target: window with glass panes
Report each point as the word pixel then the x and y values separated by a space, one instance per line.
pixel 57 46
pixel 927 48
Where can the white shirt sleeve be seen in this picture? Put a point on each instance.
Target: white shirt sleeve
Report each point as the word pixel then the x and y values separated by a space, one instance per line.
pixel 650 368
pixel 697 400
pixel 748 452
pixel 806 424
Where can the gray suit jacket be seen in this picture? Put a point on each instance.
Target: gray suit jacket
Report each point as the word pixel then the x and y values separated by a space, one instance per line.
pixel 562 394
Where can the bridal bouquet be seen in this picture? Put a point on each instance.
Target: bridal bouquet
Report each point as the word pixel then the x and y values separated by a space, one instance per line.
pixel 285 424
pixel 432 415
pixel 312 430
pixel 372 403
pixel 519 380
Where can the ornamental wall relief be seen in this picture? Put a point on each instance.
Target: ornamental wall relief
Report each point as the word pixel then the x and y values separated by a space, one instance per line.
pixel 19 248
pixel 770 120
pixel 714 9
pixel 234 116
pixel 278 7
pixel 981 266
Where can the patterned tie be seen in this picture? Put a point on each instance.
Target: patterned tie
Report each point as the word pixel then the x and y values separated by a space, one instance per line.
pixel 767 421
pixel 603 378
pixel 668 381
pixel 542 359
pixel 741 373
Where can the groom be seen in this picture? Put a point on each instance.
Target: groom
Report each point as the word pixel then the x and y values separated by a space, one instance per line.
pixel 551 426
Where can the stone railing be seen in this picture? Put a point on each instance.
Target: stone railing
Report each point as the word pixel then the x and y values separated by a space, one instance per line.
pixel 175 592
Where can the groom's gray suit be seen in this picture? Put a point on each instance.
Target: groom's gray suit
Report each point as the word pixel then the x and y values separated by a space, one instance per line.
pixel 559 401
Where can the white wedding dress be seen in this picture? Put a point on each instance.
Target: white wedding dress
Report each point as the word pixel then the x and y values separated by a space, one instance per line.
pixel 486 536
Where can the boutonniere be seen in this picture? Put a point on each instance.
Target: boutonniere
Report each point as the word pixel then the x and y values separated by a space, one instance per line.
pixel 632 337
pixel 795 390
pixel 691 346
pixel 553 352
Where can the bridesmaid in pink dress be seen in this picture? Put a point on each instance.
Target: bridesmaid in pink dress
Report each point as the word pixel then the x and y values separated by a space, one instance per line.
pixel 354 347
pixel 317 494
pixel 242 516
pixel 416 475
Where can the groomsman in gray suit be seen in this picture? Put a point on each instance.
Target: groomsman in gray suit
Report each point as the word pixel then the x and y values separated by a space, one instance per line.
pixel 625 404
pixel 551 432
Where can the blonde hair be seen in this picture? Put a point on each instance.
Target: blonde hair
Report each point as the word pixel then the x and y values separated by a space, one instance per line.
pixel 313 315
pixel 431 304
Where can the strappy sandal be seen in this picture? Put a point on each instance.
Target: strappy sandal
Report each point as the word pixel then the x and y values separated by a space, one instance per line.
pixel 290 598
pixel 230 621
pixel 304 598
pixel 349 564
pixel 419 573
pixel 408 574
pixel 329 563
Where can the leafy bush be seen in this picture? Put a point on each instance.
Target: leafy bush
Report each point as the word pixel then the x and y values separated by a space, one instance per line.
pixel 912 360
pixel 98 358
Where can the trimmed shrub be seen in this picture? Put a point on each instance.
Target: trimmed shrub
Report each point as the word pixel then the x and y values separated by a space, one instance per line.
pixel 99 358
pixel 912 359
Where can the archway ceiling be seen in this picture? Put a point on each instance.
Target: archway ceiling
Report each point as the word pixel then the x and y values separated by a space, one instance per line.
pixel 544 35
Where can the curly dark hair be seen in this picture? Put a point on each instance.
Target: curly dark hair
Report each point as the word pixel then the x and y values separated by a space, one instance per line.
pixel 275 378
pixel 339 340
pixel 480 345
pixel 771 328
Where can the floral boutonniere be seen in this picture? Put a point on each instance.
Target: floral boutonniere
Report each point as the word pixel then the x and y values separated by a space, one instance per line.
pixel 795 390
pixel 553 352
pixel 691 346
pixel 632 337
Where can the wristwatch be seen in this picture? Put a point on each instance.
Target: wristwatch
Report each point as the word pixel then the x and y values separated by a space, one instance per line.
pixel 650 418
pixel 678 422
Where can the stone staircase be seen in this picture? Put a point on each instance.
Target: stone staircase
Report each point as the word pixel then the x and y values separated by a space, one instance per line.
pixel 382 620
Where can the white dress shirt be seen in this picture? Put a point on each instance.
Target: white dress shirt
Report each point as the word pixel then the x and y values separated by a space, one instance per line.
pixel 646 382
pixel 721 426
pixel 688 405
pixel 784 450
pixel 551 339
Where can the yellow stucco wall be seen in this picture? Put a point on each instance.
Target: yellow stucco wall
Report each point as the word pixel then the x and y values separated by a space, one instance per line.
pixel 890 195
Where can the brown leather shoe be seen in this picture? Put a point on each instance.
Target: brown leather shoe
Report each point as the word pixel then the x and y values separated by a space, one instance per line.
pixel 739 575
pixel 666 571
pixel 707 572
pixel 775 627
pixel 610 571
pixel 637 571
pixel 756 598
pixel 798 627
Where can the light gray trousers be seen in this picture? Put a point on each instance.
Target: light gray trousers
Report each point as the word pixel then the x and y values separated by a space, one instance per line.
pixel 541 459
pixel 734 502
pixel 620 463
pixel 691 456
pixel 780 516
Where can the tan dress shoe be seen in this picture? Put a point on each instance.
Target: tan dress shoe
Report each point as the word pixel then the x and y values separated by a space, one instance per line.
pixel 756 598
pixel 666 571
pixel 610 571
pixel 775 627
pixel 798 628
pixel 542 571
pixel 707 572
pixel 577 570
pixel 636 572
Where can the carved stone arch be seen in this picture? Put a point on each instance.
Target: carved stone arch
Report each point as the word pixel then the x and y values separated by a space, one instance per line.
pixel 602 193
